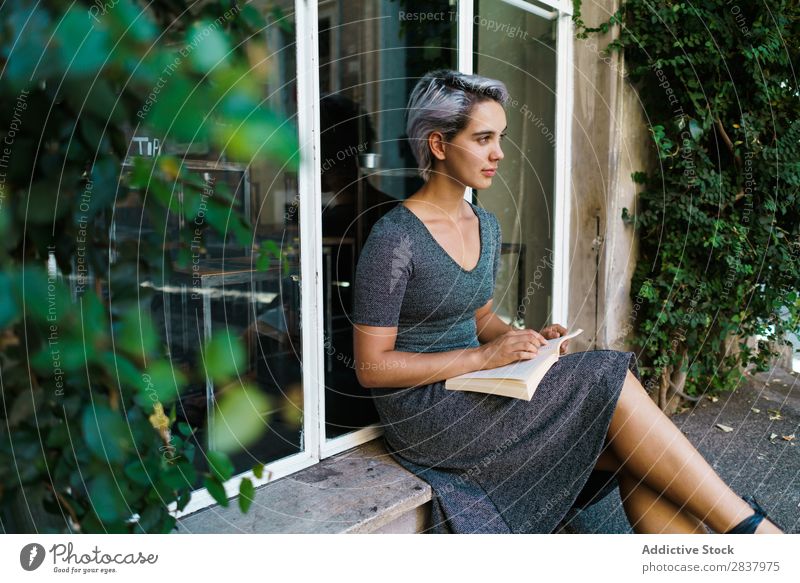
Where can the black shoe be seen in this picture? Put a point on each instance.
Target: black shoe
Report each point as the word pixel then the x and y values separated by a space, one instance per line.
pixel 749 524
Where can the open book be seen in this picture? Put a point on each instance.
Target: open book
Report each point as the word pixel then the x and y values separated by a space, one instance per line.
pixel 518 379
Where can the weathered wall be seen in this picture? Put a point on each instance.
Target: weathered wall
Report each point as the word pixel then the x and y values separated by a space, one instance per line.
pixel 609 142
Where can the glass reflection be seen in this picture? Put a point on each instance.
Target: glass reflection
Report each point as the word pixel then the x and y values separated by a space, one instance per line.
pixel 371 54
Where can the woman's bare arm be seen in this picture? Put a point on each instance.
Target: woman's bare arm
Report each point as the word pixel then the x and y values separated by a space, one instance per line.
pixel 378 364
pixel 489 324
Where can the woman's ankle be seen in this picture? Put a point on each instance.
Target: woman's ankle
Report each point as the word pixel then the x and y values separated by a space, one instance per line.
pixel 767 527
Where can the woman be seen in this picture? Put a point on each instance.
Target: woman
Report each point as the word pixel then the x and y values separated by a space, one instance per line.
pixel 423 314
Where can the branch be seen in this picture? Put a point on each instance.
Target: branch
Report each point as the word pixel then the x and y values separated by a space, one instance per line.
pixel 66 505
pixel 682 394
pixel 728 142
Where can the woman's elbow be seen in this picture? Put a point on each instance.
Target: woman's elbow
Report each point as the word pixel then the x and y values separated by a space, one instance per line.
pixel 366 377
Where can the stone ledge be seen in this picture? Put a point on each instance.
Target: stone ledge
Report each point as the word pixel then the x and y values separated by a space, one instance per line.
pixel 361 490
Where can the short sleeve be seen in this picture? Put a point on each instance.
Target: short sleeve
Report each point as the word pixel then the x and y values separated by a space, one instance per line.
pixel 382 273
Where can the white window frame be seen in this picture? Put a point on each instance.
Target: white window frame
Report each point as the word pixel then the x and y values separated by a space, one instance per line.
pixel 564 88
pixel 314 444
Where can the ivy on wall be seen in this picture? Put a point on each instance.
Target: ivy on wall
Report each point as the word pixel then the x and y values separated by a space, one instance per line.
pixel 718 215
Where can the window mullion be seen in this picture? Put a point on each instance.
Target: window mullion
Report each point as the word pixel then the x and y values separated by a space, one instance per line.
pixel 562 185
pixel 466 17
pixel 310 192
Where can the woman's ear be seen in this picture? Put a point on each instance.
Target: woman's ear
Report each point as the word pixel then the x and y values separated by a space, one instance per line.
pixel 437 145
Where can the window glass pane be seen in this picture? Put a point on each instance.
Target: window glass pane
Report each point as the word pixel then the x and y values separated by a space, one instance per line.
pixel 371 54
pixel 519 48
pixel 222 287
pixel 273 332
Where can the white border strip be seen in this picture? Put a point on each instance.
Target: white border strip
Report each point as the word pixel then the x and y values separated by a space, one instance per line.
pixel 563 189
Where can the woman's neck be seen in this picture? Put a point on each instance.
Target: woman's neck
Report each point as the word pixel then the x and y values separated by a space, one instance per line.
pixel 442 195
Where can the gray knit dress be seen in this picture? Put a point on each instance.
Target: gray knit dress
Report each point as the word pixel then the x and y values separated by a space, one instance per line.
pixel 495 464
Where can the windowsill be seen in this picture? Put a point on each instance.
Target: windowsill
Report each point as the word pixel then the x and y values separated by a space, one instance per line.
pixel 360 490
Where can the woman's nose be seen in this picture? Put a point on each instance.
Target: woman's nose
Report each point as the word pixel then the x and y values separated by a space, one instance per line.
pixel 497 153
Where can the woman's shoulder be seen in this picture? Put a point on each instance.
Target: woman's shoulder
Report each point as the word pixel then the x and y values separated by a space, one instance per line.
pixel 484 213
pixel 391 223
pixel 392 231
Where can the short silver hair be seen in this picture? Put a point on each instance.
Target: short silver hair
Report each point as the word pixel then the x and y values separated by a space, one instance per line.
pixel 442 101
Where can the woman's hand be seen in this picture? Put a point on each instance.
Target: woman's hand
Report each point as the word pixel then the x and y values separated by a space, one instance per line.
pixel 510 347
pixel 556 331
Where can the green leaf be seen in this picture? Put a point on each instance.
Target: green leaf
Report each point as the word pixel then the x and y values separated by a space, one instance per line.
pixel 161 383
pixel 176 479
pixel 9 308
pixel 131 20
pixel 82 48
pixel 106 434
pixel 268 251
pixel 168 524
pixel 258 470
pixel 220 465
pixel 180 110
pixel 123 371
pixel 107 500
pixel 151 517
pixel 58 436
pixel 93 312
pixel 239 419
pixel 102 190
pixel 246 495
pixel 224 356
pixel 140 474
pixel 252 17
pixel 695 129
pixel 31 31
pixel 184 499
pixel 208 46
pixel 216 490
pixel 48 201
pixel 257 132
pixel 137 335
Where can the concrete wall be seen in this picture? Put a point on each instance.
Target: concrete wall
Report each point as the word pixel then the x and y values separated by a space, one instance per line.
pixel 609 142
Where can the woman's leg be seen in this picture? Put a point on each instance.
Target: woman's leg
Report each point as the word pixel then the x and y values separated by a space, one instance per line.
pixel 653 450
pixel 650 513
pixel 646 510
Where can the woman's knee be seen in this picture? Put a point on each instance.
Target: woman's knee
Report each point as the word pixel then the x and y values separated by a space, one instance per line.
pixel 633 394
pixel 608 462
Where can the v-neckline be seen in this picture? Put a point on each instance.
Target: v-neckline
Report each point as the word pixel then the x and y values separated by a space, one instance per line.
pixel 439 245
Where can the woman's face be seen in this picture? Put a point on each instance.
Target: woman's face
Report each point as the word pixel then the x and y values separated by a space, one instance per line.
pixel 472 156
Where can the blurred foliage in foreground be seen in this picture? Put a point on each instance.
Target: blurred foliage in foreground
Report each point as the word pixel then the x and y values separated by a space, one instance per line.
pixel 718 216
pixel 88 395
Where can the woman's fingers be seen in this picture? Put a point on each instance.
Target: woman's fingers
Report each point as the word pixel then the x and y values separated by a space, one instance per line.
pixel 555 331
pixel 527 345
pixel 536 337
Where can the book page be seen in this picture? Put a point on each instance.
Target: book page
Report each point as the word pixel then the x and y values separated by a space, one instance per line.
pixel 521 369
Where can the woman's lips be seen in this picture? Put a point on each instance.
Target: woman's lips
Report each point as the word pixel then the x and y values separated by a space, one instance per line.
pixel 488 172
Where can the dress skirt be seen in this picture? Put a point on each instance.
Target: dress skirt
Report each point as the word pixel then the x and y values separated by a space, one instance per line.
pixel 502 465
